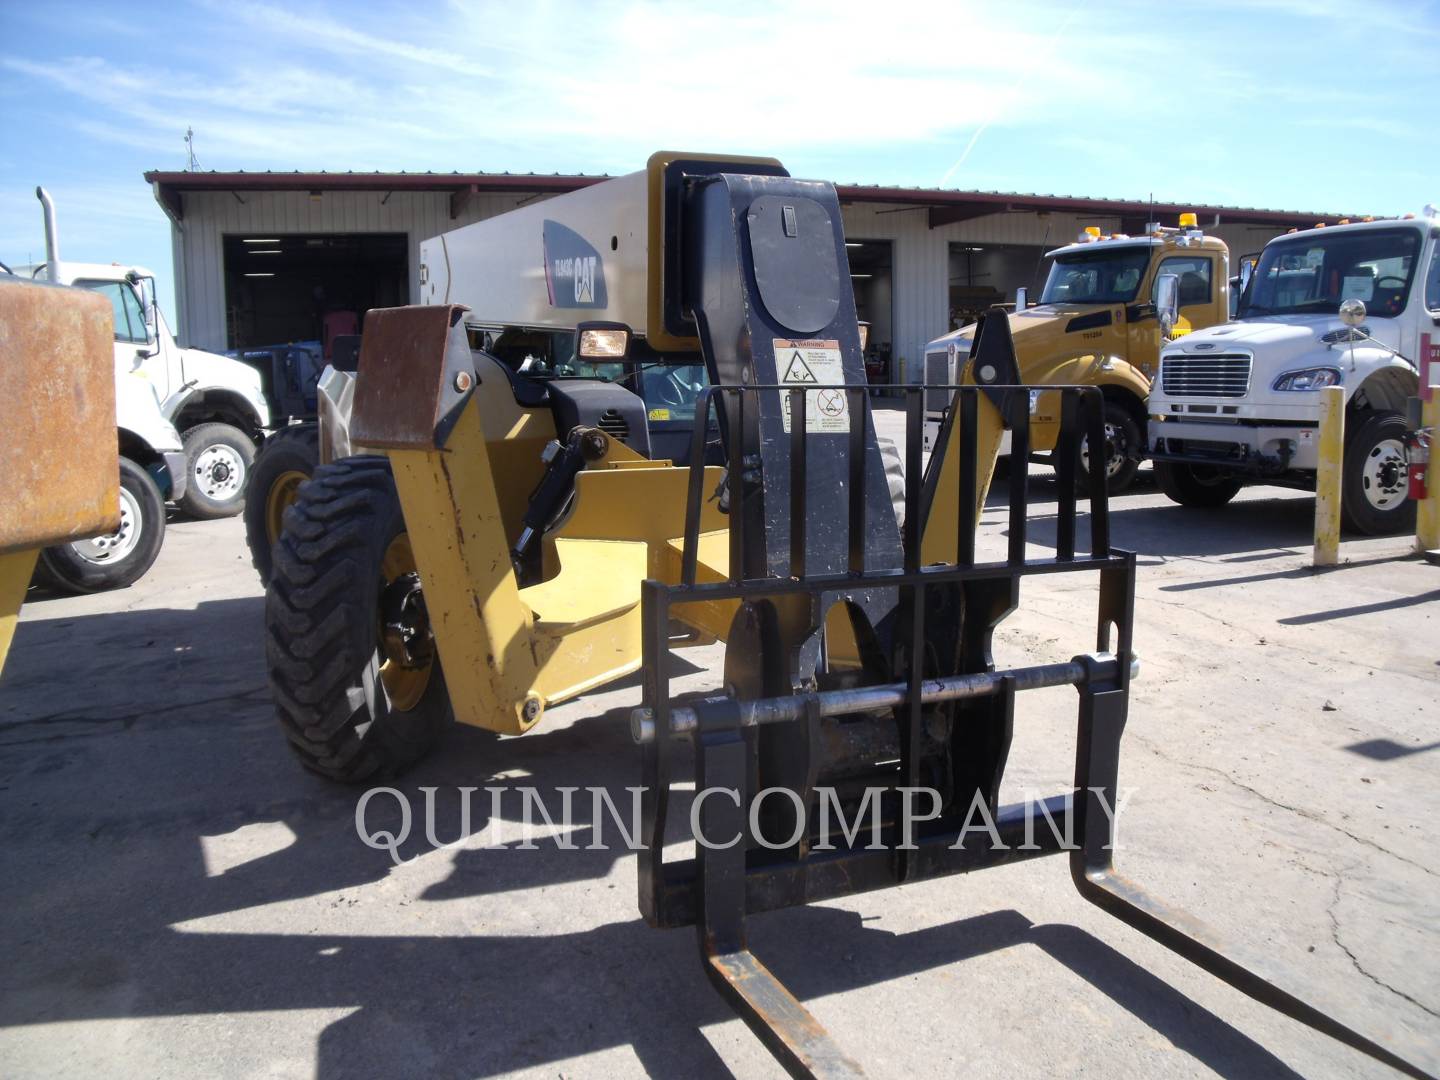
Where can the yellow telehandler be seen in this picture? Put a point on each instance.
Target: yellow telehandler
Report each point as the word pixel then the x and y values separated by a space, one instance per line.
pixel 517 541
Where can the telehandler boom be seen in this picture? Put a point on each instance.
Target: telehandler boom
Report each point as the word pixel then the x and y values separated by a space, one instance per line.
pixel 537 550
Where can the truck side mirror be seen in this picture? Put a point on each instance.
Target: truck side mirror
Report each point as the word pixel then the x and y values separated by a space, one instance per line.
pixel 1167 302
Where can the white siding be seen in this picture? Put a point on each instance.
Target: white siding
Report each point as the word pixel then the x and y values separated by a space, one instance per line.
pixel 210 216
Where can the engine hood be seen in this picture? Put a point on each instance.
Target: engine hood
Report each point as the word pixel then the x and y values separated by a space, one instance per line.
pixel 1280 343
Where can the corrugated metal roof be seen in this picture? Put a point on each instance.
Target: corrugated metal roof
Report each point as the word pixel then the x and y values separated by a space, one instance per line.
pixel 945 205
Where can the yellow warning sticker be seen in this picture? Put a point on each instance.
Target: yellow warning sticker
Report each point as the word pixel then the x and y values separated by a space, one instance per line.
pixel 659 414
pixel 816 363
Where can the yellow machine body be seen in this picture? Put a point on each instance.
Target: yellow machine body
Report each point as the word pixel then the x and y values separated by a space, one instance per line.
pixel 509 651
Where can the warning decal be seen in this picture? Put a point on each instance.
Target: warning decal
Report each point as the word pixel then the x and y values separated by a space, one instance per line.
pixel 814 363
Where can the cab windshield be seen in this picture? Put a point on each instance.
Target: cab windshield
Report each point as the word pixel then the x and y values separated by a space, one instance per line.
pixel 668 387
pixel 1096 277
pixel 1313 275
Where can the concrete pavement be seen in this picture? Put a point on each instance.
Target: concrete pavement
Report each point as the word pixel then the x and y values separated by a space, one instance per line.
pixel 180 898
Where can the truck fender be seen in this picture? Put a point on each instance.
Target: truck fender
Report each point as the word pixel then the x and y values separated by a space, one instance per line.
pixel 1386 387
pixel 205 404
pixel 1110 373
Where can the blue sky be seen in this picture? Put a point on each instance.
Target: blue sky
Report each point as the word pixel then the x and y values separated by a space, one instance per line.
pixel 1300 104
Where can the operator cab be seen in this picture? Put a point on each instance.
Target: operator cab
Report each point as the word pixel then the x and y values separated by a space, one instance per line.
pixel 646 400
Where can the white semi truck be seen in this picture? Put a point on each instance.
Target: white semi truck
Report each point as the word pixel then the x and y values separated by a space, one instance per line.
pixel 216 403
pixel 152 465
pixel 1238 404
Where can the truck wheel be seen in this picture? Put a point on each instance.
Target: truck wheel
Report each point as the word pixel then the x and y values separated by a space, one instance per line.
pixel 117 559
pixel 1122 452
pixel 286 460
pixel 1375 477
pixel 1195 485
pixel 219 458
pixel 357 683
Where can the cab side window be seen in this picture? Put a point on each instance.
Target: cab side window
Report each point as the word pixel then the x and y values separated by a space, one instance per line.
pixel 1194 272
pixel 1432 283
pixel 129 320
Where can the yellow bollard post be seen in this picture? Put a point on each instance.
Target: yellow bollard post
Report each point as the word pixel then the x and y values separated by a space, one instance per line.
pixel 1427 511
pixel 1327 476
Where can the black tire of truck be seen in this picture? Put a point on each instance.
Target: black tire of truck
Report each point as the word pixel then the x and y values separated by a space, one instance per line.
pixel 1197 486
pixel 118 559
pixel 350 710
pixel 286 460
pixel 1374 477
pixel 1123 442
pixel 218 458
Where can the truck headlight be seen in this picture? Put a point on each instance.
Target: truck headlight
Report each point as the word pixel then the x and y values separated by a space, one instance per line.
pixel 1308 379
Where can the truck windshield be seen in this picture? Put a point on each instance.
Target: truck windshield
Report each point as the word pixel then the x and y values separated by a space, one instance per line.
pixel 1096 277
pixel 1314 274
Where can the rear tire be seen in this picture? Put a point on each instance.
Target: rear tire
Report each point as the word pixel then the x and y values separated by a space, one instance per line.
pixel 286 460
pixel 1197 486
pixel 218 458
pixel 1374 476
pixel 117 559
pixel 349 709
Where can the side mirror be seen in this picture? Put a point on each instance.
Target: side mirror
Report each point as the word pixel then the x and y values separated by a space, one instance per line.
pixel 1352 311
pixel 1167 302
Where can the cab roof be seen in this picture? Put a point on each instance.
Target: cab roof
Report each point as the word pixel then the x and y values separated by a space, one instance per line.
pixel 1105 243
pixel 1423 221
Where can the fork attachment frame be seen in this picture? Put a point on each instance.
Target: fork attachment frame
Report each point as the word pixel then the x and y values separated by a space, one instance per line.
pixel 909 714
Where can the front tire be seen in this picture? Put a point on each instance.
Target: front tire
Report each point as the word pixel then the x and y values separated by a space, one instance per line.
pixel 1375 477
pixel 117 559
pixel 218 457
pixel 1200 486
pixel 1122 452
pixel 357 684
pixel 286 460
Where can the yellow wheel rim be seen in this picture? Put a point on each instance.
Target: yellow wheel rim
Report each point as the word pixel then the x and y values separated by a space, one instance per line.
pixel 281 494
pixel 404 686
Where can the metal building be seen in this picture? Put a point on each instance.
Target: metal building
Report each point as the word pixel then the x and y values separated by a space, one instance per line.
pixel 262 258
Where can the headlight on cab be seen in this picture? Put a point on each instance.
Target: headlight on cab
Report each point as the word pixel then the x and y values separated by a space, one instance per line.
pixel 1308 379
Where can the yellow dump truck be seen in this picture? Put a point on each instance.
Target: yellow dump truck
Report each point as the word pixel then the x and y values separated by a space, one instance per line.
pixel 1096 325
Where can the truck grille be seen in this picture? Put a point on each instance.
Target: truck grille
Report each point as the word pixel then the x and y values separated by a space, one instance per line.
pixel 1205 376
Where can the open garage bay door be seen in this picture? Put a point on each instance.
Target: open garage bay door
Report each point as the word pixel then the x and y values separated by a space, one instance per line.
pixel 289 288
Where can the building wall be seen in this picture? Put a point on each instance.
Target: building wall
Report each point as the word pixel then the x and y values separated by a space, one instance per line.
pixel 920 254
pixel 210 216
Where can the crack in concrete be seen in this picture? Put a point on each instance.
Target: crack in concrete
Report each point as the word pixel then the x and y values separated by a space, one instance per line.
pixel 254 696
pixel 1355 960
pixel 1308 815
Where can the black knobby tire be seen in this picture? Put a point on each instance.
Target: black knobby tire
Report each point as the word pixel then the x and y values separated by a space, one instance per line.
pixel 1124 441
pixel 285 461
pixel 322 627
pixel 1198 486
pixel 118 559
pixel 1374 478
pixel 218 458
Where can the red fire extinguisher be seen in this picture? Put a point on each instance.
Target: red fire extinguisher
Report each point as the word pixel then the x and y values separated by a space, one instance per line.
pixel 1417 446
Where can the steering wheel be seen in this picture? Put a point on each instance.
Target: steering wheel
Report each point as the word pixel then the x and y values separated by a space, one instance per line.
pixel 670 391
